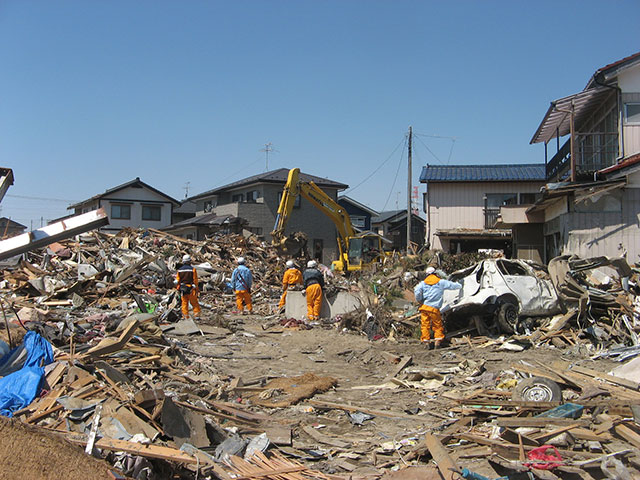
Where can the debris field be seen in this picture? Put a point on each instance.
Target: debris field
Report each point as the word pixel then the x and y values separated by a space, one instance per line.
pixel 133 391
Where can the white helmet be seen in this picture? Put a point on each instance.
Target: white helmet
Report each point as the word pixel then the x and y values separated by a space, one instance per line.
pixel 186 258
pixel 429 270
pixel 312 264
pixel 240 260
pixel 289 263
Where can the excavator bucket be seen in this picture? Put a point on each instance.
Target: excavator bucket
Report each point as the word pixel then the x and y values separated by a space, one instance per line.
pixel 294 245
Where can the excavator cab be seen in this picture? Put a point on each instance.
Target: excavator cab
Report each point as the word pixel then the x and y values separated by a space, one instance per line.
pixel 363 251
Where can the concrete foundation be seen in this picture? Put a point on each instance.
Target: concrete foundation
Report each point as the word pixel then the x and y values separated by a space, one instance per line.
pixel 344 302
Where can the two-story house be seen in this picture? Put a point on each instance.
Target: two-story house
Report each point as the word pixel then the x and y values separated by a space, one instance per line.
pixel 462 204
pixel 255 200
pixel 133 204
pixel 392 225
pixel 359 213
pixel 591 205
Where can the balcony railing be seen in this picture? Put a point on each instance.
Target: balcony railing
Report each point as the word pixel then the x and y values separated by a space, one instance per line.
pixel 594 151
pixel 491 217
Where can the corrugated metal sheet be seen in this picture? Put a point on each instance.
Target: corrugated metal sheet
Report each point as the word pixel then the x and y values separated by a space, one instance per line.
pixel 556 122
pixel 483 173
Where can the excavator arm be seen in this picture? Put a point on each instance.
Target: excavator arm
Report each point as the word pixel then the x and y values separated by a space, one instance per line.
pixel 318 198
pixel 322 202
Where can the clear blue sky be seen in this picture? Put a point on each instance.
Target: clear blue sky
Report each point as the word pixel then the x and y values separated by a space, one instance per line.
pixel 96 93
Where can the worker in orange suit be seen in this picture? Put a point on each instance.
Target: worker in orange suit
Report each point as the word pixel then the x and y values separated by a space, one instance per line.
pixel 292 277
pixel 241 281
pixel 187 285
pixel 429 294
pixel 313 284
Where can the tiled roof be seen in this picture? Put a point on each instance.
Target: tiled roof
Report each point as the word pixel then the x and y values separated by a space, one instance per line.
pixel 135 181
pixel 483 173
pixel 274 176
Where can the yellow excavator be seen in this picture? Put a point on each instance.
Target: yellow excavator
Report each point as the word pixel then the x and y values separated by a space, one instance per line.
pixel 355 251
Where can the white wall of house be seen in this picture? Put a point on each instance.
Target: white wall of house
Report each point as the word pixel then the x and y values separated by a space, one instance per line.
pixel 629 83
pixel 601 232
pixel 461 204
pixel 136 199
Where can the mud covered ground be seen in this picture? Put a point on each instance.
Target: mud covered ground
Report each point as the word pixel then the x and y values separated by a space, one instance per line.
pixel 256 352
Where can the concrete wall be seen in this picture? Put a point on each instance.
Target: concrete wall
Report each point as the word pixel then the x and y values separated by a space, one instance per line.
pixel 461 204
pixel 343 302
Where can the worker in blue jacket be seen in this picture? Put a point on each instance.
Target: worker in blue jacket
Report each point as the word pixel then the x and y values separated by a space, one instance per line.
pixel 241 281
pixel 429 294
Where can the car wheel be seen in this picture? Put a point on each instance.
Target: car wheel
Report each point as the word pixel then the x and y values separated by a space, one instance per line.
pixel 508 317
pixel 537 389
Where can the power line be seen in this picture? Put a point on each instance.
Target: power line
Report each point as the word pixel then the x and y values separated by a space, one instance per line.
pixel 453 142
pixel 379 167
pixel 429 150
pixel 41 198
pixel 397 172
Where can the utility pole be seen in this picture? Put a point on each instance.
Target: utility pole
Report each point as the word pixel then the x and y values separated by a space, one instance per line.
pixel 409 187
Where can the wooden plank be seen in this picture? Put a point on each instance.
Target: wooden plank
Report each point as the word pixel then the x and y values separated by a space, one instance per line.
pixel 110 345
pixel 536 372
pixel 629 435
pixel 54 376
pixel 508 403
pixel 540 422
pixel 623 382
pixel 150 451
pixel 404 362
pixel 590 435
pixel 322 438
pixel 446 465
pixel 352 408
pixel 544 436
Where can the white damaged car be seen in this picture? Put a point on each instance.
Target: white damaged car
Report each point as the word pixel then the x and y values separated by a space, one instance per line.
pixel 500 293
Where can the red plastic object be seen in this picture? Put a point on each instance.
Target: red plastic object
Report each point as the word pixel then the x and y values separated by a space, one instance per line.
pixel 540 453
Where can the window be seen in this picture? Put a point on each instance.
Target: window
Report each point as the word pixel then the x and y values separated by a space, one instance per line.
pixel 497 200
pixel 151 212
pixel 121 212
pixel 528 198
pixel 252 196
pixel 632 113
pixel 239 197
pixel 358 221
pixel 296 203
pixel 208 206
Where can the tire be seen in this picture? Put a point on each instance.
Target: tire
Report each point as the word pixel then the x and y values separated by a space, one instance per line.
pixel 508 318
pixel 537 389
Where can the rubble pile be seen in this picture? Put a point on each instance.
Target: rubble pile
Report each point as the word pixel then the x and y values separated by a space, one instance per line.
pixel 103 271
pixel 96 354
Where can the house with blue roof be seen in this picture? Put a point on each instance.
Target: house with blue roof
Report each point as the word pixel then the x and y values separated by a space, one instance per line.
pixel 462 205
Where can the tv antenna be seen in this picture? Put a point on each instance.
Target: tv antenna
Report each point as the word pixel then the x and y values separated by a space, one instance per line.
pixel 186 189
pixel 268 148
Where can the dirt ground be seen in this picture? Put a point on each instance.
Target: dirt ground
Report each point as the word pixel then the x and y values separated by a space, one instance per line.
pixel 361 369
pixel 30 453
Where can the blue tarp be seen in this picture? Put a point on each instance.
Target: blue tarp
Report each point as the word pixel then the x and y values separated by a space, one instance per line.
pixel 18 389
